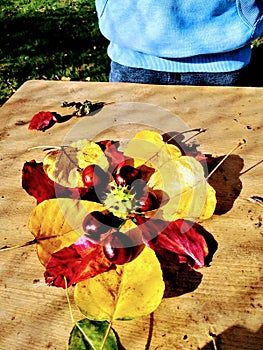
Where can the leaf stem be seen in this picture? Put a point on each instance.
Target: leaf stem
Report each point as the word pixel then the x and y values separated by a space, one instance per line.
pixel 106 336
pixel 68 300
pixel 44 147
pixel 71 313
pixel 199 131
pixel 34 241
pixel 84 334
pixel 252 167
pixel 240 143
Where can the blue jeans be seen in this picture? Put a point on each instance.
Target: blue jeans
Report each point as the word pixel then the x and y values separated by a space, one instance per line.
pixel 120 73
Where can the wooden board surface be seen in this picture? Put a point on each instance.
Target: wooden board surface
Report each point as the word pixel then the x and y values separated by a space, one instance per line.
pixel 218 307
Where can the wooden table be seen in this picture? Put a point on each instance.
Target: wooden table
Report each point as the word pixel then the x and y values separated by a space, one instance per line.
pixel 221 307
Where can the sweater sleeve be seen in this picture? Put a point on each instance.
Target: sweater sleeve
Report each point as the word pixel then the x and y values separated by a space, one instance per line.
pixel 252 14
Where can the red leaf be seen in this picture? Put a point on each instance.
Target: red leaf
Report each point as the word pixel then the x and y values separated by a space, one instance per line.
pixel 43 121
pixel 181 237
pixel 37 184
pixel 105 144
pixel 76 263
pixel 114 156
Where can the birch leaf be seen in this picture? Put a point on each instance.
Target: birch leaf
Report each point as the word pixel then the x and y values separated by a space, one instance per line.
pixel 89 335
pixel 191 197
pixel 132 290
pixel 61 166
pixel 57 223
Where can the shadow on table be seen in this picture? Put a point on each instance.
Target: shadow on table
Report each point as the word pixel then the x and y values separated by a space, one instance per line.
pixel 179 278
pixel 226 181
pixel 236 338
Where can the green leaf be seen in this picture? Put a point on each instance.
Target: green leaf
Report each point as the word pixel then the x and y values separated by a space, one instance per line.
pixel 132 290
pixel 89 335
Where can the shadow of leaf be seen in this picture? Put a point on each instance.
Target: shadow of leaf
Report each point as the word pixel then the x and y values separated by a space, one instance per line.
pixel 226 181
pixel 236 338
pixel 179 278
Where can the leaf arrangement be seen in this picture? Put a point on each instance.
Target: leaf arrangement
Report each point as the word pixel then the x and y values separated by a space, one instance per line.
pixel 104 218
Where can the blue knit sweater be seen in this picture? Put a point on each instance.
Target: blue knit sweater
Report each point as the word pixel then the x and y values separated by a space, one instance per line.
pixel 181 35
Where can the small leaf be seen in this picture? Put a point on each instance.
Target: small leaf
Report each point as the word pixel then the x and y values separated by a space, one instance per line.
pixel 114 156
pixel 89 335
pixel 61 166
pixel 132 290
pixel 43 121
pixel 57 223
pixel 89 152
pixel 147 147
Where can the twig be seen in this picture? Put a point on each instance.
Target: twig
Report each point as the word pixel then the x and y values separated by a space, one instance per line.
pixel 252 167
pixel 200 131
pixel 240 143
pixel 34 241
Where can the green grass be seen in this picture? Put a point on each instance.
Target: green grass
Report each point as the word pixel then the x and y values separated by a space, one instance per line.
pixel 60 39
pixel 50 39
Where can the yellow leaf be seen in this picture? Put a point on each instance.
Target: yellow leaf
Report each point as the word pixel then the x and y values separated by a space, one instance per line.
pixel 190 196
pixel 180 177
pixel 132 290
pixel 147 147
pixel 57 223
pixel 89 153
pixel 61 166
pixel 65 166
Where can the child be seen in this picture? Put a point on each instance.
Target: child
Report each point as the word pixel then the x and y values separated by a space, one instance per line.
pixel 184 42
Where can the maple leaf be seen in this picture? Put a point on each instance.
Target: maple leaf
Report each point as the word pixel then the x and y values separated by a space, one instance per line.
pixel 42 121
